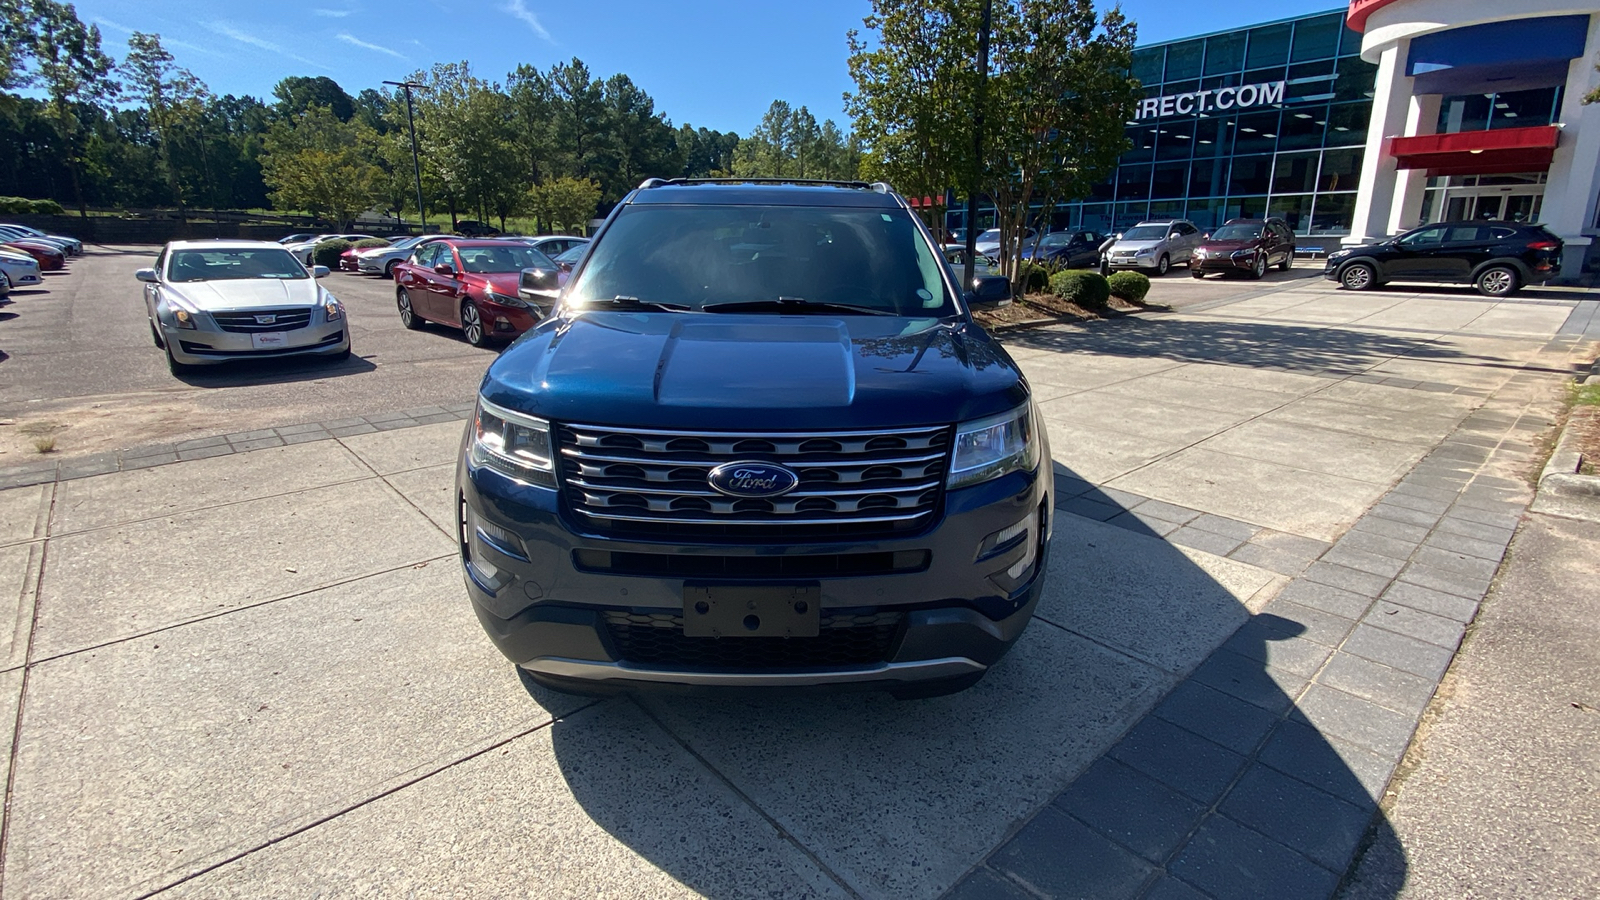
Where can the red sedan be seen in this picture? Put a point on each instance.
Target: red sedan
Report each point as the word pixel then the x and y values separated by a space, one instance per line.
pixel 50 258
pixel 470 285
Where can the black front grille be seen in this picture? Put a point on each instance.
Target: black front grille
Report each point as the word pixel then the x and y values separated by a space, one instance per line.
pixel 248 321
pixel 678 565
pixel 851 484
pixel 844 640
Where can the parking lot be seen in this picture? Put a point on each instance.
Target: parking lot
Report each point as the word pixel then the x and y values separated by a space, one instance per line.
pixel 247 667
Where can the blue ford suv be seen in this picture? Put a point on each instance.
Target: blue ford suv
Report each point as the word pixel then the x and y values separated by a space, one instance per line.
pixel 760 442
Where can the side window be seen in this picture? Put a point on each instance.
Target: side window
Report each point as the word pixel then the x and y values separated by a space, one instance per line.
pixel 1465 233
pixel 1502 234
pixel 161 263
pixel 1425 237
pixel 1187 229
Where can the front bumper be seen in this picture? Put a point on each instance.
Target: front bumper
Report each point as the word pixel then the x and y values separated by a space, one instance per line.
pixel 556 617
pixel 207 343
pixel 24 277
pixel 1124 263
pixel 1213 264
pixel 373 266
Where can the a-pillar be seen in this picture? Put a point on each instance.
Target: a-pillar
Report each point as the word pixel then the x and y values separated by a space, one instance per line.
pixel 1574 182
pixel 1391 110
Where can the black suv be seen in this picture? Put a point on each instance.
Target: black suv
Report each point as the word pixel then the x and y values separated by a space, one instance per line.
pixel 1496 257
pixel 759 442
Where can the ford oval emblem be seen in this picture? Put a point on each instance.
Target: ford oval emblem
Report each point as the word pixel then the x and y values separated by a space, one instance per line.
pixel 751 478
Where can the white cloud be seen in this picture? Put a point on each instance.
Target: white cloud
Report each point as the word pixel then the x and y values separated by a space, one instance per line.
pixel 332 13
pixel 519 10
pixel 114 26
pixel 245 37
pixel 376 48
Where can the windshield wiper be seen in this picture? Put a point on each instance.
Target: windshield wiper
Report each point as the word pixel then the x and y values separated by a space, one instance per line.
pixel 794 305
pixel 622 301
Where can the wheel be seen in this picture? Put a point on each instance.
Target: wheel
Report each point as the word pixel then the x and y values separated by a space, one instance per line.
pixel 344 354
pixel 472 324
pixel 1498 281
pixel 407 318
pixel 178 368
pixel 1358 276
pixel 1197 273
pixel 1163 265
pixel 155 335
pixel 388 269
pixel 1260 269
pixel 1288 262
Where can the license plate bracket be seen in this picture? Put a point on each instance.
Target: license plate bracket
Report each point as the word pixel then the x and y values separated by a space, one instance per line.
pixel 269 340
pixel 752 610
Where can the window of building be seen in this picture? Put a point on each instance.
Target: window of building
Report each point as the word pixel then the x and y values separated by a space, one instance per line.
pixel 1514 109
pixel 1208 177
pixel 1184 60
pixel 1251 175
pixel 1170 181
pixel 1176 140
pixel 1356 79
pixel 1133 183
pixel 1317 38
pixel 1295 209
pixel 1333 214
pixel 1225 54
pixel 1213 136
pixel 1147 64
pixel 1207 215
pixel 1341 170
pixel 1143 139
pixel 1257 133
pixel 1303 127
pixel 1347 123
pixel 1295 173
pixel 1269 46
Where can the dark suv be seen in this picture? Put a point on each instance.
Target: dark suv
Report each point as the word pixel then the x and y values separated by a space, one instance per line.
pixel 1498 258
pixel 760 442
pixel 1246 246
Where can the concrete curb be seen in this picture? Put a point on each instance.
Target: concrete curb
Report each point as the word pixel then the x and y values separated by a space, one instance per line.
pixel 1562 491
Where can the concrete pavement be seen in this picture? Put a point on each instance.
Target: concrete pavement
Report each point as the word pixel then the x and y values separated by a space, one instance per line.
pixel 256 673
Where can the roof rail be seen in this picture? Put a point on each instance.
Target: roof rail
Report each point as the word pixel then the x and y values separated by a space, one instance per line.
pixel 880 187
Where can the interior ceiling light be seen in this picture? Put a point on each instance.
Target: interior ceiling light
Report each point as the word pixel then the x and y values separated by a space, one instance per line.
pixel 1302 115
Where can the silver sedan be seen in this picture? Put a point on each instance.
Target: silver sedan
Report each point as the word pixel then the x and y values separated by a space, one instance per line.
pixel 382 260
pixel 213 301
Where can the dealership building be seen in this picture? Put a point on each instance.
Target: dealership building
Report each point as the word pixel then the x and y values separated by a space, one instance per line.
pixel 1364 122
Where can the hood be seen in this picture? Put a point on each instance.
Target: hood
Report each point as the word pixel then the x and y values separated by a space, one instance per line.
pixel 1227 246
pixel 754 372
pixel 1135 246
pixel 499 282
pixel 249 293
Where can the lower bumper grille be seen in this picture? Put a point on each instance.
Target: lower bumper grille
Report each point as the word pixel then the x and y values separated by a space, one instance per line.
pixel 678 565
pixel 194 348
pixel 845 640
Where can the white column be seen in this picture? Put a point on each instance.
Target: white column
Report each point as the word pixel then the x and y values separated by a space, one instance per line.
pixel 1422 117
pixel 1574 182
pixel 1391 106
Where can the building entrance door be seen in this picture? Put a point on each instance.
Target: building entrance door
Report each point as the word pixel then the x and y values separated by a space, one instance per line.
pixel 1481 202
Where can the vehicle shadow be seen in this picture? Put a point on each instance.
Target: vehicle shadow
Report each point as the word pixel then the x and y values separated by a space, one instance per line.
pixel 1144 729
pixel 1270 345
pixel 239 373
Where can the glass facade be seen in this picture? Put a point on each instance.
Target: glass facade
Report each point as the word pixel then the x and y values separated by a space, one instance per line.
pixel 1264 121
pixel 1298 159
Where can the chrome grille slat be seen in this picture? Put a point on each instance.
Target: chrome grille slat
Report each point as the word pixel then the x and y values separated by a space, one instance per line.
pixel 243 321
pixel 881 481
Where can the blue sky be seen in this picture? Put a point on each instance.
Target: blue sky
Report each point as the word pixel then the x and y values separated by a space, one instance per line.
pixel 714 63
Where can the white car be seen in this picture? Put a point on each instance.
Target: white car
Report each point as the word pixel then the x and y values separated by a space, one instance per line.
pixel 988 243
pixel 382 260
pixel 303 250
pixel 17 270
pixel 214 301
pixel 553 245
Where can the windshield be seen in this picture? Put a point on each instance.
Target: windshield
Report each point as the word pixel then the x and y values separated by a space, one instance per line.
pixel 233 265
pixel 572 256
pixel 1056 239
pixel 989 236
pixel 502 258
pixel 1237 233
pixel 696 256
pixel 1146 233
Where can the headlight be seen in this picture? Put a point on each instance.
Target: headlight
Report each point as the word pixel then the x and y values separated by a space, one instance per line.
pixel 333 309
pixel 507 300
pixel 513 444
pixel 1339 254
pixel 182 318
pixel 998 445
pixel 1245 253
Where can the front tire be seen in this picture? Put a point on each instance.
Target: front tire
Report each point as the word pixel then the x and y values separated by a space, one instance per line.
pixel 1288 262
pixel 1163 265
pixel 155 335
pixel 1359 277
pixel 1498 281
pixel 178 368
pixel 1196 272
pixel 388 269
pixel 472 325
pixel 408 317
pixel 1259 270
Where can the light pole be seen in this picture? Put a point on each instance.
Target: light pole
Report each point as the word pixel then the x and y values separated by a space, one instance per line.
pixel 416 165
pixel 975 176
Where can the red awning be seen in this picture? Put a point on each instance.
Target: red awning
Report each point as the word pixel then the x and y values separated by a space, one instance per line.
pixel 1478 152
pixel 1356 20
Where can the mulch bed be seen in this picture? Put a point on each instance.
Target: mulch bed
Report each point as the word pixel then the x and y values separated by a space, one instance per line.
pixel 1032 308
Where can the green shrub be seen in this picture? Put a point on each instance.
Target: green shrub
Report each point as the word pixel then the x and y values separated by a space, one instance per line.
pixel 1129 286
pixel 24 206
pixel 327 253
pixel 366 243
pixel 1081 286
pixel 1034 276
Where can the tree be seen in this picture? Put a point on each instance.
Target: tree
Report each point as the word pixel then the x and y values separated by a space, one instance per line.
pixel 75 74
pixel 1058 95
pixel 16 39
pixel 705 153
pixel 578 111
pixel 322 165
pixel 789 144
pixel 174 99
pixel 566 204
pixel 297 93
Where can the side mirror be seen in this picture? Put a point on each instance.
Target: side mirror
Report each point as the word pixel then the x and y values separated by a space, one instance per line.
pixel 989 292
pixel 319 271
pixel 444 269
pixel 1206 236
pixel 535 282
pixel 146 275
